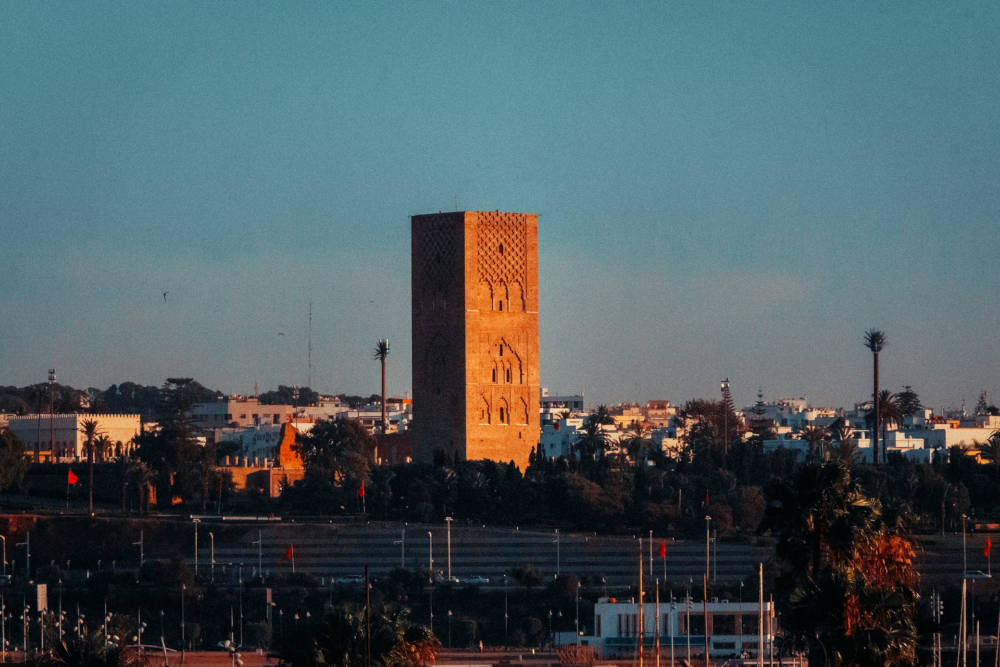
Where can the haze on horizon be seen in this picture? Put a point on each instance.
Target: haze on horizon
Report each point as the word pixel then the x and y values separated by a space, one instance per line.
pixel 724 190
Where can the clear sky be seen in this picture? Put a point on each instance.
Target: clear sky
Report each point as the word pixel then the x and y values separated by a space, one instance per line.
pixel 733 189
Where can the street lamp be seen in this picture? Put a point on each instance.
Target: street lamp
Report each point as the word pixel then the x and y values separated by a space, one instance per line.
pixel 448 521
pixel 3 538
pixel 430 576
pixel 211 540
pixel 141 553
pixel 708 544
pixel 724 386
pixel 27 551
pixel 578 612
pixel 195 521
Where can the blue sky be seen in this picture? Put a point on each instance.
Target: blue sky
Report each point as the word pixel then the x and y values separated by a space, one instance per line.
pixel 734 189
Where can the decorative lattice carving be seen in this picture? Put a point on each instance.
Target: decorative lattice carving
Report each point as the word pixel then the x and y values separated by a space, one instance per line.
pixel 439 251
pixel 503 252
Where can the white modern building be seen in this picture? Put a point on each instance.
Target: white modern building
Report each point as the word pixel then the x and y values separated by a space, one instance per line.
pixel 59 437
pixel 733 628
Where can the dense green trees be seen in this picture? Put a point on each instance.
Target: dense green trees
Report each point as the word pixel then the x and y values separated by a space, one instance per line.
pixel 13 461
pixel 337 454
pixel 847 587
pixel 184 467
pixel 340 637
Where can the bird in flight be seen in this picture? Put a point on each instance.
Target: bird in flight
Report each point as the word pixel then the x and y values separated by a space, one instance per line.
pixel 165 296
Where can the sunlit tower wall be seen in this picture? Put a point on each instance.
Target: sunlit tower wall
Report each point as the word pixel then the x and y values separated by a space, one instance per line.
pixel 475 335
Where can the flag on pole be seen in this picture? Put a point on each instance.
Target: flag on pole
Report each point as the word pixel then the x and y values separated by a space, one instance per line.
pixel 986 551
pixel 706 499
pixel 290 554
pixel 663 549
pixel 71 478
pixel 361 490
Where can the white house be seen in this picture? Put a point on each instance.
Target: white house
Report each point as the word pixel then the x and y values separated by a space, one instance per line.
pixel 734 628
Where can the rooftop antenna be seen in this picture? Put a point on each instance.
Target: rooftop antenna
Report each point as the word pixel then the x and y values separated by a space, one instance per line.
pixel 309 359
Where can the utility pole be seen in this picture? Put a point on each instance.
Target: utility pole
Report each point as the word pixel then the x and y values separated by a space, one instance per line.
pixel 196 521
pixel 141 554
pixel 27 554
pixel 52 427
pixel 448 521
pixel 557 553
pixel 430 576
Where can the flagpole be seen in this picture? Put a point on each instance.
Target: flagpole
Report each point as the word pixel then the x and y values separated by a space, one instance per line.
pixel 657 620
pixel 293 558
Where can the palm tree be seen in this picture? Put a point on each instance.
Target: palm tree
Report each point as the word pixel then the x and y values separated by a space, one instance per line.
pixel 816 436
pixel 104 445
pixel 89 430
pixel 890 412
pixel 875 340
pixel 381 354
pixel 846 582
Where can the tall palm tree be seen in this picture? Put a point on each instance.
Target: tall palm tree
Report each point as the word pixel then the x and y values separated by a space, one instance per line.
pixel 889 412
pixel 381 354
pixel 875 340
pixel 89 430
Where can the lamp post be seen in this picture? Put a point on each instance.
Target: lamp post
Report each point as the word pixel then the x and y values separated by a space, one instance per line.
pixel 708 544
pixel 448 521
pixel 557 553
pixel 195 521
pixel 505 615
pixel 52 428
pixel 724 385
pixel 3 538
pixel 430 576
pixel 578 612
pixel 211 541
pixel 260 556
pixel 141 553
pixel 27 553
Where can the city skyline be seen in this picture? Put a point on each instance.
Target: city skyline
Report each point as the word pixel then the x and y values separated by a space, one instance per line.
pixel 723 191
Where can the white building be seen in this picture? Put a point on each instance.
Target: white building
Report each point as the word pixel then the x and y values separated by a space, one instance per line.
pixel 733 627
pixel 59 437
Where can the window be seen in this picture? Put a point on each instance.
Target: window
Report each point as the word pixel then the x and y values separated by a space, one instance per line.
pixel 502 414
pixel 508 376
pixel 500 248
pixel 494 375
pixel 501 305
pixel 501 347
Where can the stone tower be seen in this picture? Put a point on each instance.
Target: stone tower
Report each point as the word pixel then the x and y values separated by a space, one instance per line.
pixel 475 335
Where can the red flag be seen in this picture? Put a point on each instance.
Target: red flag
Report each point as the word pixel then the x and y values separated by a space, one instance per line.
pixel 663 549
pixel 986 551
pixel 706 499
pixel 361 491
pixel 290 553
pixel 71 479
pixel 556 426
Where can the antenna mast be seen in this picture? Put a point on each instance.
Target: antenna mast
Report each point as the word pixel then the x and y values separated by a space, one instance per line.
pixel 309 375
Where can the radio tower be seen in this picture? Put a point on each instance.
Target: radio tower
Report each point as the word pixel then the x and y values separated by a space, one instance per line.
pixel 309 353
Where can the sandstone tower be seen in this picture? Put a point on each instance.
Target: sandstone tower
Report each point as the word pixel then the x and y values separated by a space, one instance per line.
pixel 475 335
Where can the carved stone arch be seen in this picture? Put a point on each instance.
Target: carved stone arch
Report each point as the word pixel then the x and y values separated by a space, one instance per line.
pixel 520 295
pixel 504 410
pixel 522 415
pixel 503 296
pixel 485 414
